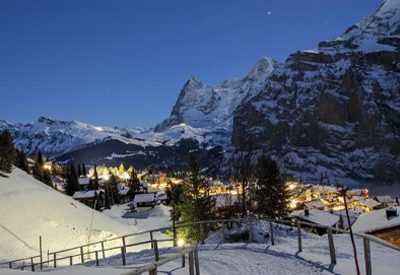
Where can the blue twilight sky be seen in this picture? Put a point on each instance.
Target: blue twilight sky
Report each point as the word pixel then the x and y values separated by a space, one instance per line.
pixel 123 62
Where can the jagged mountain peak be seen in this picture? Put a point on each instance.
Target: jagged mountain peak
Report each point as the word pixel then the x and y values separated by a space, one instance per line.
pixel 204 106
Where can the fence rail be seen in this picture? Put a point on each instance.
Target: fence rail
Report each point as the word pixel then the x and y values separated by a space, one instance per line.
pixel 193 258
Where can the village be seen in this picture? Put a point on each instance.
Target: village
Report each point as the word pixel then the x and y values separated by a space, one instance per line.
pixel 316 204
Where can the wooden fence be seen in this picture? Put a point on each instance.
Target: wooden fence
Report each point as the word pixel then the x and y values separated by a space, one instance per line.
pixel 81 251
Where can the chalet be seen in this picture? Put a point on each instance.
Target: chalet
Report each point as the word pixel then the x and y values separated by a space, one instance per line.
pixel 384 199
pixel 83 183
pixel 125 195
pixel 383 223
pixel 316 217
pixel 144 200
pixel 314 204
pixel 88 197
pixel 366 205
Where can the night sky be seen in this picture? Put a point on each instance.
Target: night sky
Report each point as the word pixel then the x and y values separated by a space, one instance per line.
pixel 124 62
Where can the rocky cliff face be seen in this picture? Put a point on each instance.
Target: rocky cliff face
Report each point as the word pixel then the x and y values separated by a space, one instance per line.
pixel 212 107
pixel 333 111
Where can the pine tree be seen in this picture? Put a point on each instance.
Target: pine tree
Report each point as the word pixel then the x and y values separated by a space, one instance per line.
pixel 95 179
pixel 79 171
pixel 134 183
pixel 84 173
pixel 270 193
pixel 40 159
pixel 8 155
pixel 72 184
pixel 114 191
pixel 170 172
pixel 196 202
pixel 22 161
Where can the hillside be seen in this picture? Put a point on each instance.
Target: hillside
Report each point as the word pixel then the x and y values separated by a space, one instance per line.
pixel 30 209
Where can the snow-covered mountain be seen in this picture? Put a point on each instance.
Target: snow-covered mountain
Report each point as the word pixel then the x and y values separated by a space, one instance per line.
pixel 57 137
pixel 334 112
pixel 212 107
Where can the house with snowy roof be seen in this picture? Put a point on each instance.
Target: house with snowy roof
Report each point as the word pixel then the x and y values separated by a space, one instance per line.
pixel 384 199
pixel 383 223
pixel 366 205
pixel 316 217
pixel 89 197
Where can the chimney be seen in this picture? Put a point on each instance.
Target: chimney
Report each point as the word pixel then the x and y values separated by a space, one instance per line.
pixel 306 212
pixel 391 212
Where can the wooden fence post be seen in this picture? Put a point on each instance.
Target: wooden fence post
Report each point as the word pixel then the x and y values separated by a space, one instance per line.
pixel 250 230
pixel 183 257
pixel 271 233
pixel 332 252
pixel 70 260
pixel 97 258
pixel 10 265
pixel 223 232
pixel 156 255
pixel 32 265
pixel 123 256
pixel 124 244
pixel 55 259
pixel 41 252
pixel 202 233
pixel 102 249
pixel 367 256
pixel 151 238
pixel 191 264
pixel 299 236
pixel 196 259
pixel 82 258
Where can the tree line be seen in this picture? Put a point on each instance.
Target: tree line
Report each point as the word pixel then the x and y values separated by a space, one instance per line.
pixel 261 183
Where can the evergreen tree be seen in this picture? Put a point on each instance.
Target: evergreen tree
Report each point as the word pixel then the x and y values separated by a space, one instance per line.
pixel 114 191
pixel 40 159
pixel 72 184
pixel 95 179
pixel 8 155
pixel 196 202
pixel 22 161
pixel 37 171
pixel 170 172
pixel 46 178
pixel 134 183
pixel 79 171
pixel 84 173
pixel 245 174
pixel 270 193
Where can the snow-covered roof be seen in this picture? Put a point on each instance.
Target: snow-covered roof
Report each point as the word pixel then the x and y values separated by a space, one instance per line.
pixel 316 216
pixel 86 194
pixel 370 202
pixel 143 198
pixel 376 220
pixel 123 191
pixel 144 184
pixel 316 203
pixel 385 199
pixel 84 181
pixel 353 216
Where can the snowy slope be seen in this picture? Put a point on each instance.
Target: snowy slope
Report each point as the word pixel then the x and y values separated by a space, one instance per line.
pixel 30 209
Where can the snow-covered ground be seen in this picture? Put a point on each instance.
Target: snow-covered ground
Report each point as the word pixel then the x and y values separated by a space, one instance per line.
pixel 254 258
pixel 30 209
